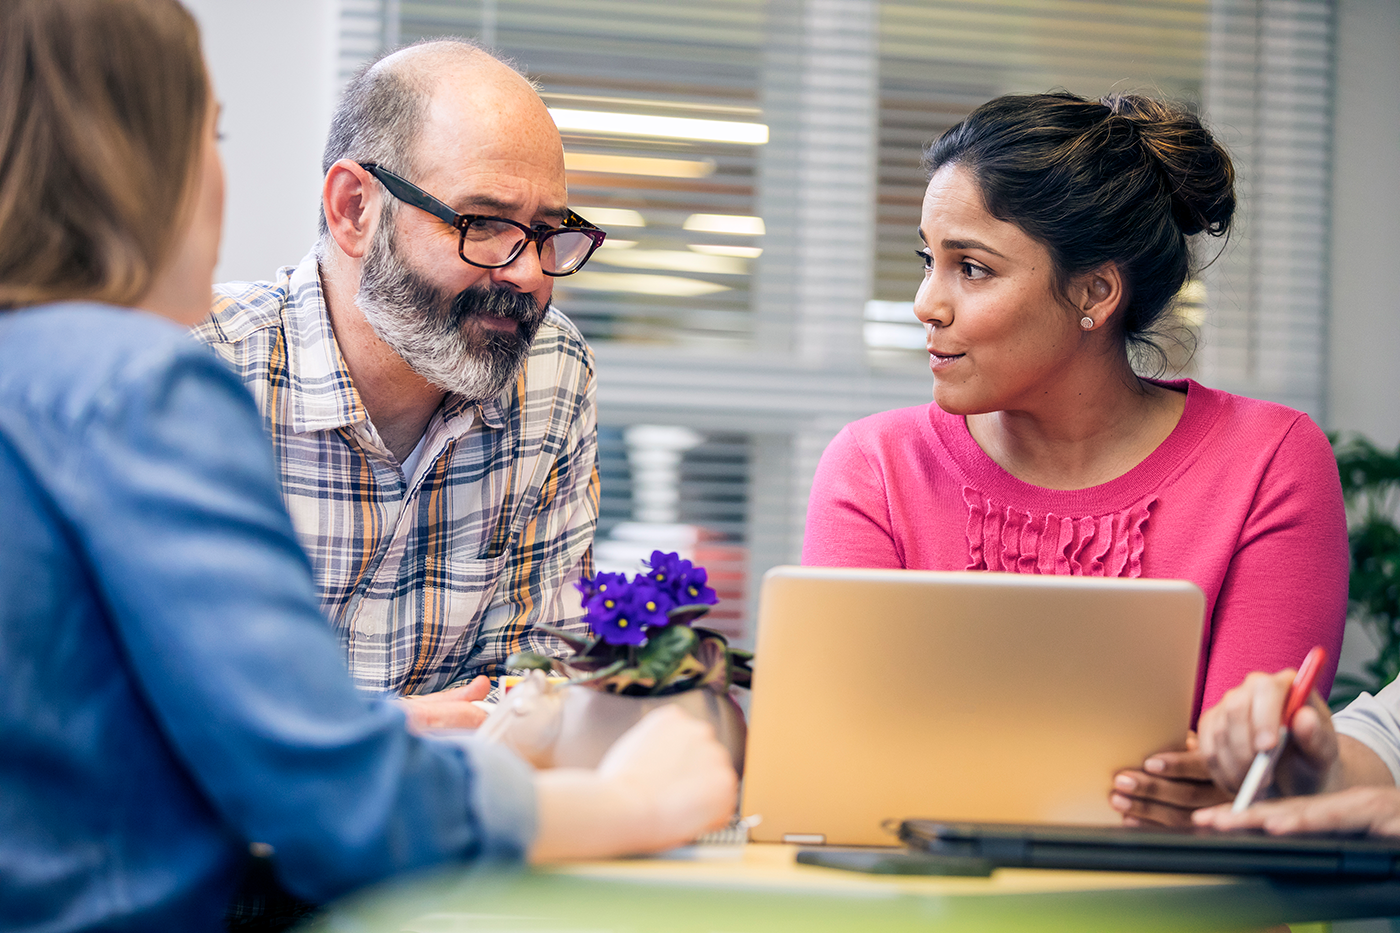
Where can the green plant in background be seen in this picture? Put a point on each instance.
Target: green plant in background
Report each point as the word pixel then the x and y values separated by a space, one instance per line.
pixel 1370 480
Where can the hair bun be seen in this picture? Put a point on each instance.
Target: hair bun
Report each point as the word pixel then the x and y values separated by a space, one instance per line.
pixel 1200 177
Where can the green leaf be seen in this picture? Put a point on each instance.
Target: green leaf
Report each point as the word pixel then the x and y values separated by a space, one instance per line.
pixel 740 669
pixel 580 643
pixel 601 674
pixel 713 659
pixel 664 651
pixel 684 615
pixel 529 660
pixel 586 665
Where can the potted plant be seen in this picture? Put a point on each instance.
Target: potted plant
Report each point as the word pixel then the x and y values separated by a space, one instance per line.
pixel 1370 477
pixel 642 650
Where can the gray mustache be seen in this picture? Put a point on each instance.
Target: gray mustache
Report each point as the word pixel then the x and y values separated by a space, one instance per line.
pixel 496 302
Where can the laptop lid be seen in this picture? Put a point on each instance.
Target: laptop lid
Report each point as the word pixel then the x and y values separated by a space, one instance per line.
pixel 882 694
pixel 1127 848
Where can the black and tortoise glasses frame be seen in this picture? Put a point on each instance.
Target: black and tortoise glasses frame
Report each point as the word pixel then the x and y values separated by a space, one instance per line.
pixel 494 242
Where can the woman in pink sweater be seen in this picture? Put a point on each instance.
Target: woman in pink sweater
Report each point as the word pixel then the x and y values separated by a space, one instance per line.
pixel 1056 236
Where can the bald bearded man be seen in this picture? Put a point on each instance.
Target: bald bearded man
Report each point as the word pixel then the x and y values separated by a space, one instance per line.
pixel 433 416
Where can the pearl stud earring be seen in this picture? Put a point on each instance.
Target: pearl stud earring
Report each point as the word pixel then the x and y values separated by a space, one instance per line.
pixel 1086 322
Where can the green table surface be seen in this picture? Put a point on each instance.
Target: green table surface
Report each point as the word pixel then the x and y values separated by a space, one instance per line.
pixel 755 887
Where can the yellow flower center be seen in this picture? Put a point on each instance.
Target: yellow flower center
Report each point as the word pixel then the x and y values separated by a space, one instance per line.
pixel 621 623
pixel 609 603
pixel 651 607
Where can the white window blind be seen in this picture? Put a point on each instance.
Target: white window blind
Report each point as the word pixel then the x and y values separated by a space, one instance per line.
pixel 1269 94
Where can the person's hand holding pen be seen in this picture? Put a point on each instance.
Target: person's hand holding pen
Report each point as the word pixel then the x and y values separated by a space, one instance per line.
pixel 1247 721
pixel 1323 775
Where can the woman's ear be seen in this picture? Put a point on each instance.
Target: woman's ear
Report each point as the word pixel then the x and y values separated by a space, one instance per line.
pixel 350 198
pixel 1098 296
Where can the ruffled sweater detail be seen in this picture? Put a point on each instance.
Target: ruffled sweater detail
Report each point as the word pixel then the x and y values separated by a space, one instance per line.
pixel 1000 537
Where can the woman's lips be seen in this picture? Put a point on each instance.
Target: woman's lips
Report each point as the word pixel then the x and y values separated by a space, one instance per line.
pixel 937 361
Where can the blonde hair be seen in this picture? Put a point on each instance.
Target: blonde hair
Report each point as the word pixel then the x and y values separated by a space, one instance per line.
pixel 102 107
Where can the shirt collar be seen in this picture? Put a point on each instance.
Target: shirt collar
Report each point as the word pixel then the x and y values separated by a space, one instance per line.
pixel 322 395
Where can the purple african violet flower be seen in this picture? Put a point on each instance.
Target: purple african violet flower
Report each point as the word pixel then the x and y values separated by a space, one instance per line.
pixel 682 580
pixel 691 588
pixel 602 583
pixel 622 615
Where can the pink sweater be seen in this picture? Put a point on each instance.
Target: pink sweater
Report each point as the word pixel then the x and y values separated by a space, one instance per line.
pixel 1242 499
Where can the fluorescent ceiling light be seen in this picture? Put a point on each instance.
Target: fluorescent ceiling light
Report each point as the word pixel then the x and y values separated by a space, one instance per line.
pixel 743 252
pixel 637 165
pixel 736 224
pixel 710 107
pixel 611 216
pixel 641 284
pixel 899 311
pixel 674 260
pixel 895 336
pixel 636 124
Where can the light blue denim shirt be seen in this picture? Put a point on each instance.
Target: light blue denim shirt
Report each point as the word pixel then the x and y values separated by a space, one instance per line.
pixel 169 690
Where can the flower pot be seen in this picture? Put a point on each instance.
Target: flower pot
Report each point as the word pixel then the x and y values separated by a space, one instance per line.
pixel 573 726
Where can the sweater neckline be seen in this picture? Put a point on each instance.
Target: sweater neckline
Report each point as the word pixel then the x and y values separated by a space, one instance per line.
pixel 979 471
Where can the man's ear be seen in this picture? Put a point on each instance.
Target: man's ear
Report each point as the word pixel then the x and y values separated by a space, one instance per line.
pixel 1100 294
pixel 350 197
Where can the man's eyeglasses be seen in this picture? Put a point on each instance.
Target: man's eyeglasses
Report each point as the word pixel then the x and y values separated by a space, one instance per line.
pixel 493 242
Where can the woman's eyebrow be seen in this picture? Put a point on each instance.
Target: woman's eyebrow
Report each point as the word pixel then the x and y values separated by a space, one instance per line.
pixel 970 244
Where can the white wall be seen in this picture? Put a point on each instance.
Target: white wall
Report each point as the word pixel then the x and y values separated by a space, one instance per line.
pixel 273 63
pixel 1364 353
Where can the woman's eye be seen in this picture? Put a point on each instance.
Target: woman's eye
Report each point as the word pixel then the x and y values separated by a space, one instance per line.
pixel 927 257
pixel 974 271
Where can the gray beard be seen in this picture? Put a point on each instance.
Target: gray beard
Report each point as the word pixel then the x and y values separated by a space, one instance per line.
pixel 436 333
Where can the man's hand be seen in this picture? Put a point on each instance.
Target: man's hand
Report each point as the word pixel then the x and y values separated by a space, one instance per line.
pixel 1167 789
pixel 447 709
pixel 1374 810
pixel 1246 721
pixel 666 781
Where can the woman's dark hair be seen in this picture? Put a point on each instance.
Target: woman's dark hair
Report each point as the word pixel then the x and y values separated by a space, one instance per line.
pixel 102 110
pixel 1124 179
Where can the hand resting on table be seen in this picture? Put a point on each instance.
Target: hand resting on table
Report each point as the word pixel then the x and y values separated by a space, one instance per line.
pixel 447 709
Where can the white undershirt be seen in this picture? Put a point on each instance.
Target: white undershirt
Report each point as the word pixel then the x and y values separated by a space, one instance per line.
pixel 410 463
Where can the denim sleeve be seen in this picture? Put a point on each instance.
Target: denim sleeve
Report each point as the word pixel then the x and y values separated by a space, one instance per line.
pixel 172 493
pixel 1374 721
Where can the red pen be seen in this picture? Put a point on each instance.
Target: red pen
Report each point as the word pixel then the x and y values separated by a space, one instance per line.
pixel 1263 767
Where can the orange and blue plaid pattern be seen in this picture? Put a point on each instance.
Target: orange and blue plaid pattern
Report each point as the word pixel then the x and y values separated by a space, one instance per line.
pixel 434 578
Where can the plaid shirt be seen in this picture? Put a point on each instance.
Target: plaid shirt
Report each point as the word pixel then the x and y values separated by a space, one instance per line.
pixel 434 578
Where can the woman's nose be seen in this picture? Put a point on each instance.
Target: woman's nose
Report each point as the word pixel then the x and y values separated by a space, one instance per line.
pixel 929 304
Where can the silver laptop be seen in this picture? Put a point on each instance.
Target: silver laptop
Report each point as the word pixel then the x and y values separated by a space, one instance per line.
pixel 883 695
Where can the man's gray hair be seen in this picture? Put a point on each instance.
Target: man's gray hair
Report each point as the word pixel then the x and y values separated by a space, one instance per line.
pixel 381 111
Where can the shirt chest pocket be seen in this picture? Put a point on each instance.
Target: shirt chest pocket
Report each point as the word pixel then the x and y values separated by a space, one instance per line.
pixel 453 615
